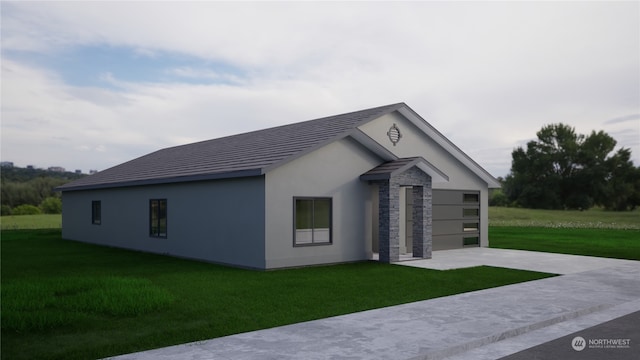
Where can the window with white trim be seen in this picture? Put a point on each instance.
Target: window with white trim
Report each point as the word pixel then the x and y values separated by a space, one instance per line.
pixel 312 221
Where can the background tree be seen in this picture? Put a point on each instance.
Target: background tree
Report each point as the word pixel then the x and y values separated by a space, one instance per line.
pixel 565 170
pixel 35 187
pixel 622 191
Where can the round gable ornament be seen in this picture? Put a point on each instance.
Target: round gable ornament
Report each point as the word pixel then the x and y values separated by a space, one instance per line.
pixel 394 134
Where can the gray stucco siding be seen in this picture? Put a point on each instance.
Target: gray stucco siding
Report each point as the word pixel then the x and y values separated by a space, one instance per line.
pixel 331 171
pixel 415 142
pixel 219 221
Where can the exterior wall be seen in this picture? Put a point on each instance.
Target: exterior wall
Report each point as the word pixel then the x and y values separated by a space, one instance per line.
pixel 332 171
pixel 416 143
pixel 216 221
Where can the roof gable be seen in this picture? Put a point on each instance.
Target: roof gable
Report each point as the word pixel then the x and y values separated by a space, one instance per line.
pixel 449 146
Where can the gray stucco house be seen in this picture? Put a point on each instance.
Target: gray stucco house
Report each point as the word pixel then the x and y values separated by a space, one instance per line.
pixel 380 182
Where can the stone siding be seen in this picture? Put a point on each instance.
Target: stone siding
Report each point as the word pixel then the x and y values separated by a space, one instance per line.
pixel 389 213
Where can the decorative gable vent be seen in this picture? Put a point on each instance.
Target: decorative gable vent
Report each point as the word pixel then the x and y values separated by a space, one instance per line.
pixel 394 134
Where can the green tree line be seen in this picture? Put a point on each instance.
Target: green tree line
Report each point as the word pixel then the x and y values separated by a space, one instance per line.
pixel 566 170
pixel 31 191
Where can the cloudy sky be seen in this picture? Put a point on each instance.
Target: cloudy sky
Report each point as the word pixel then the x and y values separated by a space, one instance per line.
pixel 88 85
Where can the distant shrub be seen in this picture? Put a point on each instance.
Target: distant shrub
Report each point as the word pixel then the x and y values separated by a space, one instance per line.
pixel 26 210
pixel 498 198
pixel 6 210
pixel 51 205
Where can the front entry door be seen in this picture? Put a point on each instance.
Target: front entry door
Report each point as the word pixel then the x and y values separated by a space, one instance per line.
pixel 406 220
pixel 409 219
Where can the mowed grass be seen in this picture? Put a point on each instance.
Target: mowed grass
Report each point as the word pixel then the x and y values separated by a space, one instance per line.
pixel 20 222
pixel 70 300
pixel 595 218
pixel 611 243
pixel 593 232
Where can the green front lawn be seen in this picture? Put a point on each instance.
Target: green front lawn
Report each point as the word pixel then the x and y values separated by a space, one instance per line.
pixel 69 300
pixel 610 243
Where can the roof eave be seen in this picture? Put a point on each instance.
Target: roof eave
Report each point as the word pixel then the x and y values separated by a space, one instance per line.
pixel 375 177
pixel 372 145
pixel 168 180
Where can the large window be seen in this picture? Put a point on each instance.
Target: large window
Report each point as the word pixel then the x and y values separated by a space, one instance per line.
pixel 158 218
pixel 312 218
pixel 96 212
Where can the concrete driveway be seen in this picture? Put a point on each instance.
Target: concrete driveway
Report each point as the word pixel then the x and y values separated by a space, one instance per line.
pixel 514 259
pixel 485 324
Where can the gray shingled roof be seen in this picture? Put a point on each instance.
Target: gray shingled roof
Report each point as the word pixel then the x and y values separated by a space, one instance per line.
pixel 385 170
pixel 247 154
pixel 388 169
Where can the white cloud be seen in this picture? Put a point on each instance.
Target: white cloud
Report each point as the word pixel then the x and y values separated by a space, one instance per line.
pixel 487 75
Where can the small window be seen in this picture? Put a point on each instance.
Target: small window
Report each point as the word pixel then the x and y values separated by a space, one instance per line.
pixel 467 227
pixel 471 241
pixel 471 198
pixel 158 218
pixel 470 212
pixel 312 219
pixel 96 212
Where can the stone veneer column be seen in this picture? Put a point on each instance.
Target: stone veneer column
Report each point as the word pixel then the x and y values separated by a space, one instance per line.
pixel 389 215
pixel 389 223
pixel 422 221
